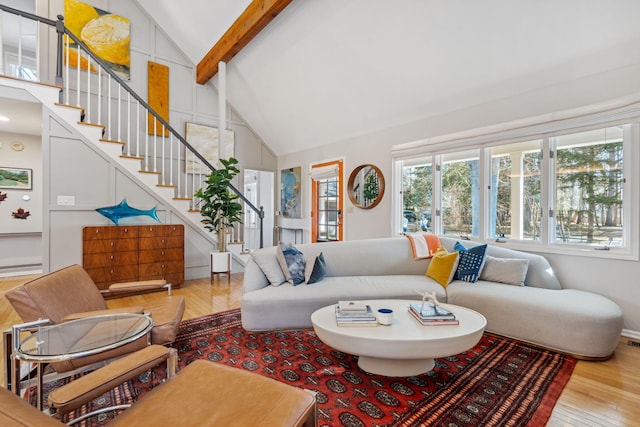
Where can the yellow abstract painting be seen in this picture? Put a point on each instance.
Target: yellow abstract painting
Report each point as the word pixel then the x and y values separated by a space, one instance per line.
pixel 106 34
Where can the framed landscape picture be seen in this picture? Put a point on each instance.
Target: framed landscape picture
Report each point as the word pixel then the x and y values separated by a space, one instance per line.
pixel 16 178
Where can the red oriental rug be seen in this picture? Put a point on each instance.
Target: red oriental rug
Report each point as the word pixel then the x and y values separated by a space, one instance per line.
pixel 499 382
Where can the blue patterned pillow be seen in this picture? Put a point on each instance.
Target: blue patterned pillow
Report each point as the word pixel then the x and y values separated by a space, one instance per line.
pixel 316 269
pixel 470 263
pixel 292 263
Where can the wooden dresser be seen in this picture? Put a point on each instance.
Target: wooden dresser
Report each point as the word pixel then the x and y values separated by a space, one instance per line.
pixel 126 253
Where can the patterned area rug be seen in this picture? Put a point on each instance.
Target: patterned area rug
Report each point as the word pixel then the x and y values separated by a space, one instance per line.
pixel 499 382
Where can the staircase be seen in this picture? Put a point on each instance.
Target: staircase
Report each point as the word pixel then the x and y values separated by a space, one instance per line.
pixel 112 117
pixel 135 166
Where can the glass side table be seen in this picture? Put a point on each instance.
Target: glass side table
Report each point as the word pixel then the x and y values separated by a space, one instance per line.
pixel 72 340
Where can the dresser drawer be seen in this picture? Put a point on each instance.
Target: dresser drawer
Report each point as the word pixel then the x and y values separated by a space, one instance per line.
pixel 151 271
pixel 110 245
pixel 109 232
pixel 161 230
pixel 108 260
pixel 157 255
pixel 161 242
pixel 114 274
pixel 159 269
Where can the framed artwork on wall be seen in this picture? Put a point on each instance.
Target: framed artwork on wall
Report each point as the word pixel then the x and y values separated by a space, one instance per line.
pixel 106 34
pixel 204 139
pixel 290 192
pixel 16 178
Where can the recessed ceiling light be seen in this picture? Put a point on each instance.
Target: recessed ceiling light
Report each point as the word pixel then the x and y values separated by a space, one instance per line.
pixel 4 119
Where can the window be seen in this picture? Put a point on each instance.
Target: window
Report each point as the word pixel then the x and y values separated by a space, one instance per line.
pixel 417 192
pixel 515 209
pixel 461 193
pixel 564 191
pixel 589 183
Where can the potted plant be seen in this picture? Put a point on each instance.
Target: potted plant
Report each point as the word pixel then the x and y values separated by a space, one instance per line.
pixel 218 205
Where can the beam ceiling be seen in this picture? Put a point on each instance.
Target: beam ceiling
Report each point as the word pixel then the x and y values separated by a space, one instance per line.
pixel 254 18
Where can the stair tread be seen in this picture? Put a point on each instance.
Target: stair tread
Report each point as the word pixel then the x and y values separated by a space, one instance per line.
pixel 92 124
pixel 59 104
pixel 111 141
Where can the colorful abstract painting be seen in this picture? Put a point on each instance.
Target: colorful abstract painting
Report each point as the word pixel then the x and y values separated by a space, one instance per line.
pixel 290 186
pixel 106 34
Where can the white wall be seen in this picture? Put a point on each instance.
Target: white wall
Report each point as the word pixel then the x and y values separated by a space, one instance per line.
pixel 21 239
pixel 612 278
pixel 68 158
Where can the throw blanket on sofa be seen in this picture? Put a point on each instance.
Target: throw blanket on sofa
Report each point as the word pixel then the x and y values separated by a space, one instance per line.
pixel 423 245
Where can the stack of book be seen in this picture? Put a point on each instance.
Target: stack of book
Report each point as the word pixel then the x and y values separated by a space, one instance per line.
pixel 432 315
pixel 355 313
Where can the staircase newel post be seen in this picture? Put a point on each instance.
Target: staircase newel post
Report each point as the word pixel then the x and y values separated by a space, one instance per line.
pixel 60 31
pixel 261 216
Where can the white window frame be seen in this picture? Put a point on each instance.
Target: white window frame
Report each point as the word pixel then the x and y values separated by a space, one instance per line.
pixel 543 128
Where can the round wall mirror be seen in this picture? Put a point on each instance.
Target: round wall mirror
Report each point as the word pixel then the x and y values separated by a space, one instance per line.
pixel 366 186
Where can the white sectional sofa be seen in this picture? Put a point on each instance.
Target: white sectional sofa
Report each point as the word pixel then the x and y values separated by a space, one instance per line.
pixel 580 323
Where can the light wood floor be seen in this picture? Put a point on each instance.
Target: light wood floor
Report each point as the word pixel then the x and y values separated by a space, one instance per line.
pixel 598 394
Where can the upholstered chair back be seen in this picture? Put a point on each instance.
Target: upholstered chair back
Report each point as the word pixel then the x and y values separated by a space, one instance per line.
pixel 57 294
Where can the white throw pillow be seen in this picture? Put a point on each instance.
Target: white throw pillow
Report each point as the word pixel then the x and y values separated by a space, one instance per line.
pixel 268 263
pixel 509 271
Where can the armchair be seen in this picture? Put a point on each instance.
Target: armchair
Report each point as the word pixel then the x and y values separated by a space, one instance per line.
pixel 71 293
pixel 204 393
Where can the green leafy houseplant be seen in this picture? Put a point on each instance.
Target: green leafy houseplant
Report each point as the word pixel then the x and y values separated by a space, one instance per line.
pixel 218 205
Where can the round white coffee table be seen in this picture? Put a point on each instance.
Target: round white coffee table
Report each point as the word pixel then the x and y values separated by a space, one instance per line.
pixel 405 347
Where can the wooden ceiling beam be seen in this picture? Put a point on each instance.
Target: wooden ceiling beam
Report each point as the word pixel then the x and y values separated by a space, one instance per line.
pixel 255 17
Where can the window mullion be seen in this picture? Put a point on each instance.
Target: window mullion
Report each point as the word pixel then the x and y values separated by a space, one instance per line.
pixel 437 195
pixel 548 190
pixel 485 193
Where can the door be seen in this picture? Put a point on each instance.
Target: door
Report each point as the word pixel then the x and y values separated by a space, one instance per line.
pixel 327 202
pixel 259 190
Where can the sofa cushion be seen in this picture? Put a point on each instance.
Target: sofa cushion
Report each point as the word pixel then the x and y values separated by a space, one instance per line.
pixel 539 275
pixel 443 266
pixel 267 260
pixel 470 263
pixel 315 269
pixel 292 263
pixel 290 307
pixel 505 270
pixel 568 320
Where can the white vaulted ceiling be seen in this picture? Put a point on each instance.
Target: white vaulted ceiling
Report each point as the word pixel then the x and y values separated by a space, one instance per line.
pixel 328 70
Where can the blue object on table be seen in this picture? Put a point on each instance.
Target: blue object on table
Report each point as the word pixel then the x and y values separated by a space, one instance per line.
pixel 123 210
